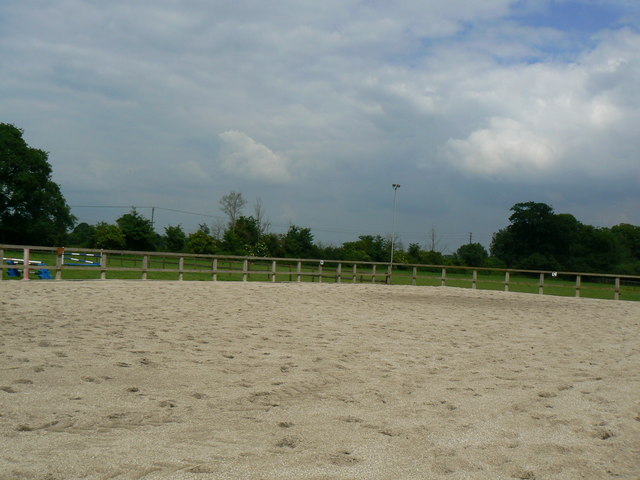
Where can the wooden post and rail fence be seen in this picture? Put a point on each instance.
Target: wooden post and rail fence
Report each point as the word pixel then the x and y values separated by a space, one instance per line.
pixel 28 262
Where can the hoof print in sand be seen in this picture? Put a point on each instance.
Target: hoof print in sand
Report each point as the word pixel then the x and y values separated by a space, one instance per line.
pixel 546 394
pixel 604 433
pixel 523 474
pixel 351 419
pixel 344 458
pixel 201 469
pixel 289 442
pixel 23 381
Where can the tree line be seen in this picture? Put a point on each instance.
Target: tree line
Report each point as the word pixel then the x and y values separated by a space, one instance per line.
pixel 33 211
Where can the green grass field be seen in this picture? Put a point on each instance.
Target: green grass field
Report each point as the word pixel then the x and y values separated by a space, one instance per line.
pixel 200 269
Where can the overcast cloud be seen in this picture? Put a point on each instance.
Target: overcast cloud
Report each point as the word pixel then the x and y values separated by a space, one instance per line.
pixel 317 108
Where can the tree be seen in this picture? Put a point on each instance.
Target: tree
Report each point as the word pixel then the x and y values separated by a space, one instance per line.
pixel 109 236
pixel 138 231
pixel 628 239
pixel 298 242
pixel 232 204
pixel 83 235
pixel 532 225
pixel 503 246
pixel 472 255
pixel 538 239
pixel 595 250
pixel 174 238
pixel 272 244
pixel 201 242
pixel 258 214
pixel 203 227
pixel 414 253
pixel 244 238
pixel 373 248
pixel 32 207
pixel 432 257
pixel 534 229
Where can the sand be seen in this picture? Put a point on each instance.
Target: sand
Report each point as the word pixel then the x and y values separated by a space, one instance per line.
pixel 212 380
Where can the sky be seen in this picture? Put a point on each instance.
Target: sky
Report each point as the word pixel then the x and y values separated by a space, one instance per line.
pixel 314 109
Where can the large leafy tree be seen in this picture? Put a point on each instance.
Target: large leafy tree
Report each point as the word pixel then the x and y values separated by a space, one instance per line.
pixel 138 231
pixel 368 248
pixel 535 237
pixel 243 238
pixel 83 235
pixel 109 236
pixel 594 250
pixel 174 238
pixel 538 239
pixel 472 255
pixel 201 241
pixel 628 239
pixel 532 225
pixel 298 242
pixel 32 208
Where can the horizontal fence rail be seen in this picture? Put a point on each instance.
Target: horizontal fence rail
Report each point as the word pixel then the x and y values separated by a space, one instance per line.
pixel 30 262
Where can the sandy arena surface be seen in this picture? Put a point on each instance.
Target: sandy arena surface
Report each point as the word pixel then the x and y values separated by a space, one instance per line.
pixel 202 380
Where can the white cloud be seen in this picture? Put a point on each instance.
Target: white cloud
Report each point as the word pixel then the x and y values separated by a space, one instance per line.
pixel 505 149
pixel 552 119
pixel 242 156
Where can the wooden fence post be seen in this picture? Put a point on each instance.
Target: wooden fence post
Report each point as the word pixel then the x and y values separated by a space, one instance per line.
pixel 373 274
pixel 578 283
pixel 616 291
pixel 59 256
pixel 214 269
pixel 145 266
pixel 103 266
pixel 25 272
pixel 245 269
pixel 181 269
pixel 541 285
pixel 299 271
pixel 474 279
pixel 443 277
pixel 415 276
pixel 274 268
pixel 506 281
pixel 339 273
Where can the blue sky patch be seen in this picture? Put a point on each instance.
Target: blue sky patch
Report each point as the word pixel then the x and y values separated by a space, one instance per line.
pixel 584 18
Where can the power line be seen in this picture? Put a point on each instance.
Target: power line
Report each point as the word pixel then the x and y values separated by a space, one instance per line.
pixel 152 207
